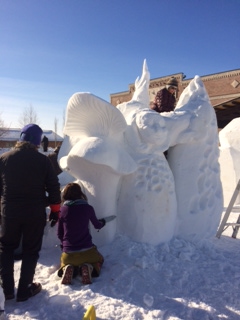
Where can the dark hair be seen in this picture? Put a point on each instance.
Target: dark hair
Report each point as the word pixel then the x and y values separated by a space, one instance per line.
pixel 73 191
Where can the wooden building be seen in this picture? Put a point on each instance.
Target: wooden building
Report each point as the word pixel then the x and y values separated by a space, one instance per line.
pixel 223 89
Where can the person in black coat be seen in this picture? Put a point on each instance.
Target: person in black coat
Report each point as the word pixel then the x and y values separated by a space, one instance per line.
pixel 28 184
pixel 45 144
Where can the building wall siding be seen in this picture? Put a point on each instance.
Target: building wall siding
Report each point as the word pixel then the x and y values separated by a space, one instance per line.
pixel 219 86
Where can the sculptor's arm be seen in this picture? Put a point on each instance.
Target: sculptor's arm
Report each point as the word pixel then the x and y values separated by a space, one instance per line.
pixel 60 230
pixel 96 223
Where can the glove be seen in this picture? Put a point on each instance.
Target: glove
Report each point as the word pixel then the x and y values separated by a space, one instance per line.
pixel 103 221
pixel 54 214
pixel 55 207
pixel 53 218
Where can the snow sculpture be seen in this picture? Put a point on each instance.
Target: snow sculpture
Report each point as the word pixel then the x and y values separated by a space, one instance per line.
pixel 117 155
pixel 199 198
pixel 95 155
pixel 149 209
pixel 229 159
pixel 147 205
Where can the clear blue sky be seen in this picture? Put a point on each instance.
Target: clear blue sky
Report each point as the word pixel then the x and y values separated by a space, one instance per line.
pixel 50 49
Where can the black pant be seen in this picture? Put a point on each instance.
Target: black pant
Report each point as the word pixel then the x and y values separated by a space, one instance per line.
pixel 29 227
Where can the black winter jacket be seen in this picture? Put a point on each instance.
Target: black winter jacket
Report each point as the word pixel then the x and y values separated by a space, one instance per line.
pixel 25 177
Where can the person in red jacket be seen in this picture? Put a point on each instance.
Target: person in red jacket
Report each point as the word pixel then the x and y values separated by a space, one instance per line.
pixel 79 254
pixel 165 99
pixel 28 184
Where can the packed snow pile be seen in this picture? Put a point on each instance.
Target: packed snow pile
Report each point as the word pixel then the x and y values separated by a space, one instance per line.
pixel 177 280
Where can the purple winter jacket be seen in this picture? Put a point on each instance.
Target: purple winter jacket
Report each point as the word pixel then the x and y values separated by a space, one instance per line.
pixel 73 225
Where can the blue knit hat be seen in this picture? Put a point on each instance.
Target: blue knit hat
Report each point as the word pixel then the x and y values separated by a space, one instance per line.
pixel 31 133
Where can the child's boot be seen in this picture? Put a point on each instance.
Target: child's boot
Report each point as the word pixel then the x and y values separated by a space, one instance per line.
pixel 86 272
pixel 67 274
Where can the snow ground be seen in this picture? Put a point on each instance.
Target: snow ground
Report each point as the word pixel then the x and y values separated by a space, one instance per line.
pixel 175 280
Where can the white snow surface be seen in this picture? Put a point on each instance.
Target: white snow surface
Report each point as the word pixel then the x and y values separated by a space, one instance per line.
pixel 162 259
pixel 172 281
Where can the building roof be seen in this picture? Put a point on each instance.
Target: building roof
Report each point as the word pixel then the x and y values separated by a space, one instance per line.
pixel 13 134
